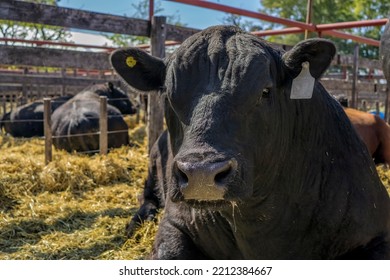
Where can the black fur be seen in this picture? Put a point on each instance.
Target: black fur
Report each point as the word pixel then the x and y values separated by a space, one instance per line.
pixel 27 120
pixel 80 116
pixel 252 173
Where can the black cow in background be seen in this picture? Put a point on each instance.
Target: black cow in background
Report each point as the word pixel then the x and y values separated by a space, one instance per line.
pixel 27 120
pixel 74 123
pixel 264 162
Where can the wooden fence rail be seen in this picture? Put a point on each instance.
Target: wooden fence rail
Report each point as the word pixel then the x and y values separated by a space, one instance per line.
pixel 49 57
pixel 156 29
pixel 79 19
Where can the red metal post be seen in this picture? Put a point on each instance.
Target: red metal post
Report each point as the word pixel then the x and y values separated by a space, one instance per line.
pixel 151 9
pixel 351 24
pixel 241 12
pixel 321 28
pixel 271 32
pixel 355 38
pixel 333 33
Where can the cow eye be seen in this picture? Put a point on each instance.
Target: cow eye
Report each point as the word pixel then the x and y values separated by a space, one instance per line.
pixel 266 92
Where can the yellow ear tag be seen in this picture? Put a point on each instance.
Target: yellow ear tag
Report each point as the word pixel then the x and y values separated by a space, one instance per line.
pixel 130 61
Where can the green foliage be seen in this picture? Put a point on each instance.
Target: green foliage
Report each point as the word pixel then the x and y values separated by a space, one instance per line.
pixel 330 11
pixel 34 31
pixel 122 40
pixel 237 20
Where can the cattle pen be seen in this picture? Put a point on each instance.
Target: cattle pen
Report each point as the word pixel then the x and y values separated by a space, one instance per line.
pixel 76 206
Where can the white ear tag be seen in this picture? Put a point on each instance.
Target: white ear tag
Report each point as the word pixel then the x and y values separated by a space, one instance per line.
pixel 303 85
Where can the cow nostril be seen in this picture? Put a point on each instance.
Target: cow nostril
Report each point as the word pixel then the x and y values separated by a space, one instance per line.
pixel 221 177
pixel 182 177
pixel 209 173
pixel 204 180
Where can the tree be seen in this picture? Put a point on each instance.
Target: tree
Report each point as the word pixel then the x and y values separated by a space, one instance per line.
pixel 33 31
pixel 330 11
pixel 237 20
pixel 142 11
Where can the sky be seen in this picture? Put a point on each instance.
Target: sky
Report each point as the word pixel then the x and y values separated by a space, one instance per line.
pixel 191 16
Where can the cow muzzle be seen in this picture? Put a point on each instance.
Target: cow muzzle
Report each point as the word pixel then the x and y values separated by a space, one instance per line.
pixel 205 181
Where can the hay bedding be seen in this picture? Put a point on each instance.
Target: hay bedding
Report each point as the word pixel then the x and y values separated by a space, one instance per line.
pixel 77 206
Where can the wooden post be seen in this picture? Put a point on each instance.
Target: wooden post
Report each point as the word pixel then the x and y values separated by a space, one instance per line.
pixel 101 74
pixel 46 94
pixel 364 105
pixel 24 85
pixel 309 11
pixel 103 138
pixel 355 75
pixel 63 86
pixel 139 107
pixel 11 101
pixel 387 105
pixel 47 129
pixel 24 93
pixel 377 97
pixel 377 109
pixel 155 119
pixel 4 101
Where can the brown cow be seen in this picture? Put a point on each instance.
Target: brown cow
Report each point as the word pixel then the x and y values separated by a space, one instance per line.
pixel 374 132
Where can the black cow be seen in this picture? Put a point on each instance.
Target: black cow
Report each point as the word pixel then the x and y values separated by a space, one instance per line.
pixel 27 120
pixel 75 125
pixel 265 163
pixel 153 197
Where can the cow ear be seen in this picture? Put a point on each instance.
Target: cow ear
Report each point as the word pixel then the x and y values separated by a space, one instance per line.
pixel 139 69
pixel 317 52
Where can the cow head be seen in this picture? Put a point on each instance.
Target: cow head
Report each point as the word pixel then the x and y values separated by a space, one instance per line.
pixel 116 97
pixel 227 102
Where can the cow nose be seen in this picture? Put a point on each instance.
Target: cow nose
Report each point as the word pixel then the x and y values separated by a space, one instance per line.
pixel 205 181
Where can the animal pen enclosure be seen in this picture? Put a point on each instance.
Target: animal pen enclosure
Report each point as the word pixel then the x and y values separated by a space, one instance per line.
pixel 72 69
pixel 75 67
pixel 79 212
pixel 32 70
